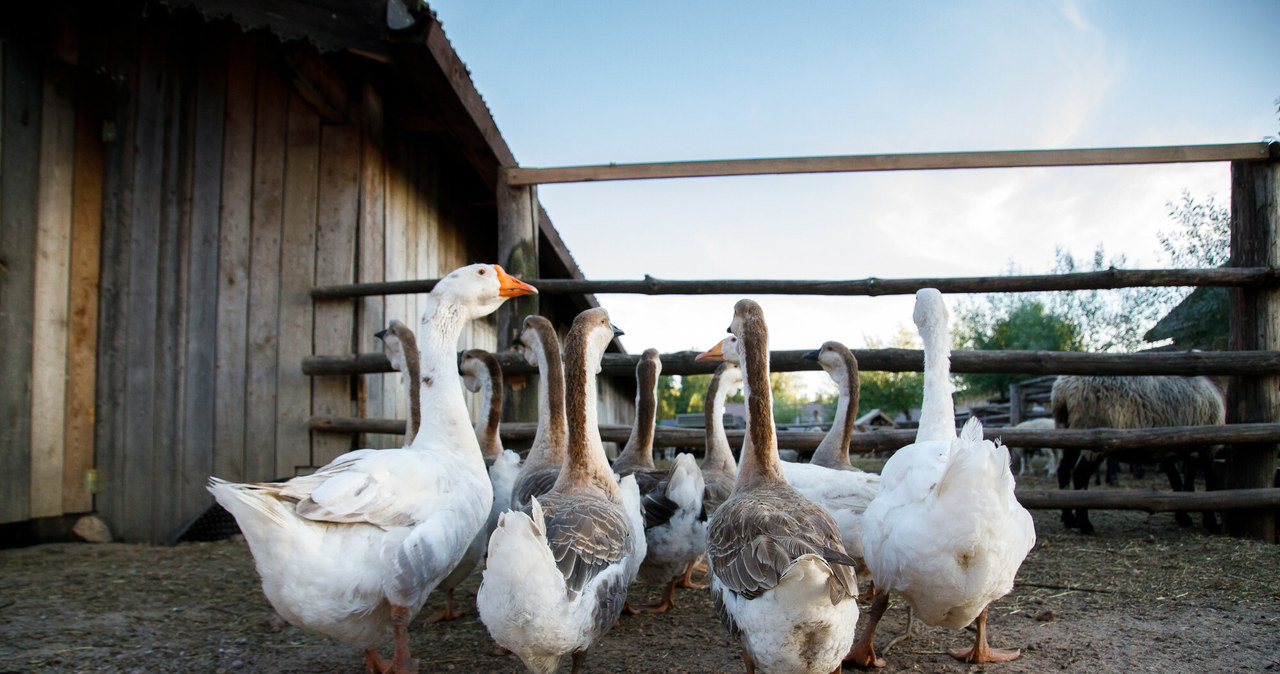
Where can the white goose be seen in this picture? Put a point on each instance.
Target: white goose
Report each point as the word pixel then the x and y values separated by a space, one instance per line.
pixel 558 569
pixel 353 550
pixel 829 479
pixel 541 466
pixel 675 525
pixel 482 373
pixel 945 531
pixel 719 468
pixel 779 576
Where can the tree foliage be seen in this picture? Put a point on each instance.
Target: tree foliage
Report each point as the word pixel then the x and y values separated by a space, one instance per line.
pixel 1026 324
pixel 892 392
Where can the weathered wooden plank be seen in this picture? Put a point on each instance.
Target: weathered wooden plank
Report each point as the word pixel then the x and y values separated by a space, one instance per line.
pixel 1150 501
pixel 141 302
pixel 201 336
pixel 1255 324
pixel 372 256
pixel 1103 440
pixel 20 152
pixel 113 321
pixel 266 207
pixel 892 162
pixel 873 287
pixel 52 266
pixel 82 327
pixel 1184 363
pixel 233 260
pixel 336 214
pixel 298 244
pixel 395 250
pixel 171 269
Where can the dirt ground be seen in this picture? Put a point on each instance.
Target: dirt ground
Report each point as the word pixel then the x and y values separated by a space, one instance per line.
pixel 1141 595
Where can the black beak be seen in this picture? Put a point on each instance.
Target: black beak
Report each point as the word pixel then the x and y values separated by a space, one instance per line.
pixel 616 331
pixel 381 334
pixel 811 355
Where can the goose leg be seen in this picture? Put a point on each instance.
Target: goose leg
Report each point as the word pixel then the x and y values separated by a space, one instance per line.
pixel 446 613
pixel 863 653
pixel 373 664
pixel 577 659
pixel 401 663
pixel 746 659
pixel 981 652
pixel 687 580
pixel 911 629
pixel 668 600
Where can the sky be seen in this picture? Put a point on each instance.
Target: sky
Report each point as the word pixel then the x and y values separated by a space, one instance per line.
pixel 577 82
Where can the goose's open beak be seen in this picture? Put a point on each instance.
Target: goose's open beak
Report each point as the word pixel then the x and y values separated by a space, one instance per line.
pixel 512 286
pixel 712 354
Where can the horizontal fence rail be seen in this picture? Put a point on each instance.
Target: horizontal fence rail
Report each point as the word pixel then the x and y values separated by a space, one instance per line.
pixel 1108 279
pixel 1186 363
pixel 1103 440
pixel 893 162
pixel 1150 501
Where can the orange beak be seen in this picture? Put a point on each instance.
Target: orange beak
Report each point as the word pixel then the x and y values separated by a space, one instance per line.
pixel 512 286
pixel 712 354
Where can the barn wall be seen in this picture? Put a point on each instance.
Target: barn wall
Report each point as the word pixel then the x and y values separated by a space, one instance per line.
pixel 155 305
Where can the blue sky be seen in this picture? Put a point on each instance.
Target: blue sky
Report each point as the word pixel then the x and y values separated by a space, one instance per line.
pixel 597 82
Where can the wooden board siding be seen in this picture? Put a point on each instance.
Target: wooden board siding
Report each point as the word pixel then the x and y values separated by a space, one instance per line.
pixel 271 125
pixel 233 259
pixel 336 216
pixel 200 338
pixel 371 264
pixel 82 326
pixel 184 197
pixel 20 118
pixel 298 241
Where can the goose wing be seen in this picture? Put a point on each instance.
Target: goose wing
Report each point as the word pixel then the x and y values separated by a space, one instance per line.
pixel 385 488
pixel 586 535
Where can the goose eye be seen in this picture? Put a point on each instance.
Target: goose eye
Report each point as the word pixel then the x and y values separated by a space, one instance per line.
pixel 482 271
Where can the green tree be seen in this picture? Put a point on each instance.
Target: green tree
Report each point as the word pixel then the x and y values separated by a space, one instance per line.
pixel 1026 325
pixel 892 392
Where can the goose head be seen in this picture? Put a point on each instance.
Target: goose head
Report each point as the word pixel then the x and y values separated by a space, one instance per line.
pixel 728 350
pixel 836 359
pixel 536 336
pixel 479 289
pixel 477 366
pixel 398 343
pixel 930 314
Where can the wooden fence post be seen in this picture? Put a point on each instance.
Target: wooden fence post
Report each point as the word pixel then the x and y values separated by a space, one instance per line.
pixel 518 254
pixel 1255 324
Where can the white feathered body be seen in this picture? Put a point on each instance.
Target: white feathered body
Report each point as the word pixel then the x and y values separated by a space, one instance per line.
pixel 377 527
pixel 524 600
pixel 845 494
pixel 502 477
pixel 946 531
pixel 675 543
pixel 818 633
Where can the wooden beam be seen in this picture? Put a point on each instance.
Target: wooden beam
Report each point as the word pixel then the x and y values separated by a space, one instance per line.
pixel 894 162
pixel 1254 324
pixel 1186 363
pixel 1102 440
pixel 19 159
pixel 52 287
pixel 1257 276
pixel 518 254
pixel 1150 501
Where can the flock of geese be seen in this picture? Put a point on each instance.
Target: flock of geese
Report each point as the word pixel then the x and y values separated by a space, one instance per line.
pixel 353 550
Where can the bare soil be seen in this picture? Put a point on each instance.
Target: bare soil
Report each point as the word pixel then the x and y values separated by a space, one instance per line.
pixel 1140 595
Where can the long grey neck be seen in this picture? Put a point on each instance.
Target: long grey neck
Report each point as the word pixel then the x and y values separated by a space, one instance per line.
pixel 761 465
pixel 489 417
pixel 550 439
pixel 719 456
pixel 638 452
pixel 586 468
pixel 833 451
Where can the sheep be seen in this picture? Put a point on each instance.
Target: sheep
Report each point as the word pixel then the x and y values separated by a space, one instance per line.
pixel 1027 454
pixel 1136 402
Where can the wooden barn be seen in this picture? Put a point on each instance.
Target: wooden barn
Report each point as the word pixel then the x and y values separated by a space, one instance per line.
pixel 176 176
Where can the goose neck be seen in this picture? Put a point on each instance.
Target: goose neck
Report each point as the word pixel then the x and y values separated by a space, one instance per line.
pixel 761 465
pixel 586 467
pixel 719 456
pixel 833 451
pixel 549 440
pixel 439 384
pixel 489 417
pixel 937 409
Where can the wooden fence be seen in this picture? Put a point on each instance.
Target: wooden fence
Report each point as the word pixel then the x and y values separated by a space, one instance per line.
pixel 1253 362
